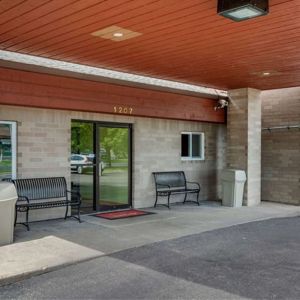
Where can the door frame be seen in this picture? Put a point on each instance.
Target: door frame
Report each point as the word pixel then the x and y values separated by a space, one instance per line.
pixel 96 146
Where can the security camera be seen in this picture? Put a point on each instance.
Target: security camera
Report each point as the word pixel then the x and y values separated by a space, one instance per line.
pixel 222 103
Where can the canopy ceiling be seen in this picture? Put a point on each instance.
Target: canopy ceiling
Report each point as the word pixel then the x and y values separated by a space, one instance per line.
pixel 170 39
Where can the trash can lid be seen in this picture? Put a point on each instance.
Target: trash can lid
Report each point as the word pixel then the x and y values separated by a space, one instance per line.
pixel 234 175
pixel 7 191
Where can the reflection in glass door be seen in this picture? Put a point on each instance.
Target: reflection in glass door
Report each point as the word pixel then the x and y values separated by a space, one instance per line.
pixel 82 163
pixel 114 167
pixel 8 141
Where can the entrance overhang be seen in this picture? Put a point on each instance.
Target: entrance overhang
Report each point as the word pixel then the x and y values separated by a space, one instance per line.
pixel 32 63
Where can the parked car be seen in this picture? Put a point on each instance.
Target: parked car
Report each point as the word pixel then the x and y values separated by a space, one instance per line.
pixel 103 164
pixel 80 162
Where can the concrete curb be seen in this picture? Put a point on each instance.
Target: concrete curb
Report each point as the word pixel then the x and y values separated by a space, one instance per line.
pixel 23 276
pixel 23 260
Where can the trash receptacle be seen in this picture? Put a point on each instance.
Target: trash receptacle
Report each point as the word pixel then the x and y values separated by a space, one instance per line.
pixel 233 182
pixel 8 198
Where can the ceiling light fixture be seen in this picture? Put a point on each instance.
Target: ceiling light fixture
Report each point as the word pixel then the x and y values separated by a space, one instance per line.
pixel 266 73
pixel 118 34
pixel 240 10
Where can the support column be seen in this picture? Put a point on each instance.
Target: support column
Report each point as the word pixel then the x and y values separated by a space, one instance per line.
pixel 244 140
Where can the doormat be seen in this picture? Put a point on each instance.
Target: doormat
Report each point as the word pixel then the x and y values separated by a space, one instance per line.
pixel 123 214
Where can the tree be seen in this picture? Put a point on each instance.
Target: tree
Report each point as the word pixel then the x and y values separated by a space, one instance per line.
pixel 114 141
pixel 82 138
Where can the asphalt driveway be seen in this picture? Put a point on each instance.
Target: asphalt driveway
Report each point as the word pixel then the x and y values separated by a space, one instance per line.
pixel 259 260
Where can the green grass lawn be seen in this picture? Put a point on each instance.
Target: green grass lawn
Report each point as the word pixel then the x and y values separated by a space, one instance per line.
pixel 123 160
pixel 5 167
pixel 114 194
pixel 109 170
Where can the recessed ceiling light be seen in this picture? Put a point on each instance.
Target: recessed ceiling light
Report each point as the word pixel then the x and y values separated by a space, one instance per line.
pixel 267 73
pixel 115 33
pixel 118 34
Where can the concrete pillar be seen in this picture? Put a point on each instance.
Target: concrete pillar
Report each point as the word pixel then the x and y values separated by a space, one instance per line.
pixel 244 139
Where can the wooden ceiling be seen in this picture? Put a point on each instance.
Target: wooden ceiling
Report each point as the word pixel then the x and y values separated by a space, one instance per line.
pixel 180 40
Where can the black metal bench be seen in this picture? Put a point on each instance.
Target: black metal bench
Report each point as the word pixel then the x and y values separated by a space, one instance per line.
pixel 171 183
pixel 39 193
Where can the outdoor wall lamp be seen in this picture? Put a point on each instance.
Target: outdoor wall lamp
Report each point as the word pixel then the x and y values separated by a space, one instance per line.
pixel 240 10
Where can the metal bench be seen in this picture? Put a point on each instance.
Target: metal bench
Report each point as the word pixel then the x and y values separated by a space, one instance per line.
pixel 171 183
pixel 39 193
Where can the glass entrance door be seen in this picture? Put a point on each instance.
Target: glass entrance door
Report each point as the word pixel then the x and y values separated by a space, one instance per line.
pixel 100 164
pixel 114 167
pixel 82 163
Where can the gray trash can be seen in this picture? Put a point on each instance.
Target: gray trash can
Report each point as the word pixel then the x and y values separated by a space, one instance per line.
pixel 8 198
pixel 233 182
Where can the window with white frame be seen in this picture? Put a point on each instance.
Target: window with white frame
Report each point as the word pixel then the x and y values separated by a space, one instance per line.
pixel 8 150
pixel 192 146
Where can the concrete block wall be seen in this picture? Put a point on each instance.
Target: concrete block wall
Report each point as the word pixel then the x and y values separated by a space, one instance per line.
pixel 244 140
pixel 281 148
pixel 44 149
pixel 157 147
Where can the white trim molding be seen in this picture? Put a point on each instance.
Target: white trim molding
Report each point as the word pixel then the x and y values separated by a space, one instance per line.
pixel 7 57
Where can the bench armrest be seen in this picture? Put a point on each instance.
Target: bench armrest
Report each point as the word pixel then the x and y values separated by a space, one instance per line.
pixel 23 198
pixel 195 183
pixel 77 194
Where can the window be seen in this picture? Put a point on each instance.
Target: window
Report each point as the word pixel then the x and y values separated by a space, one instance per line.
pixel 192 146
pixel 8 149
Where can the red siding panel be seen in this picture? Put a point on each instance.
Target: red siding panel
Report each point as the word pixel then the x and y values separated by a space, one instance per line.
pixel 55 92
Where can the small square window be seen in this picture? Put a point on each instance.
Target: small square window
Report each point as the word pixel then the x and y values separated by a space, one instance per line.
pixel 192 146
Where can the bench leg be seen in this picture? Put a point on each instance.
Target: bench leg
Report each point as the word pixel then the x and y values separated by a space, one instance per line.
pixel 169 200
pixel 184 198
pixel 78 213
pixel 197 201
pixel 155 200
pixel 67 210
pixel 16 216
pixel 72 215
pixel 27 223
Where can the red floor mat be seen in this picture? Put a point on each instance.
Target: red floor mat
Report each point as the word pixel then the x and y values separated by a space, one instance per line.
pixel 129 213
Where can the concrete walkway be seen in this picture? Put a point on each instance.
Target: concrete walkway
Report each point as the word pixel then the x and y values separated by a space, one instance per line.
pixel 109 236
pixel 106 236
